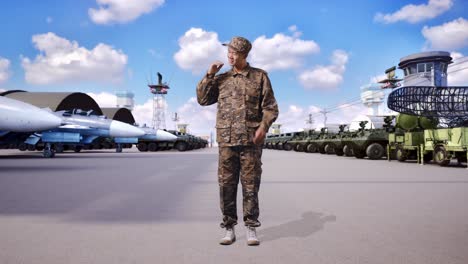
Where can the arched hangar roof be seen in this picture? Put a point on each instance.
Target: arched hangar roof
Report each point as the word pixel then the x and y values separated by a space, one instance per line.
pixel 119 114
pixel 56 101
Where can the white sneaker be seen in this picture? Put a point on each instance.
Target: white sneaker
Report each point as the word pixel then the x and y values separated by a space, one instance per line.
pixel 229 238
pixel 252 239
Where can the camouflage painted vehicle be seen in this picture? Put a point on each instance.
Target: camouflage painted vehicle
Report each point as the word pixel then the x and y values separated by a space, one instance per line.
pixel 299 139
pixel 366 142
pixel 284 141
pixel 270 141
pixel 408 136
pixel 323 143
pixel 445 144
pixel 314 141
pixel 334 144
pixel 301 143
pixel 184 141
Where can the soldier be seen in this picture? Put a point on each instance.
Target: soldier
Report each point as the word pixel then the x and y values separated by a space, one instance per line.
pixel 246 109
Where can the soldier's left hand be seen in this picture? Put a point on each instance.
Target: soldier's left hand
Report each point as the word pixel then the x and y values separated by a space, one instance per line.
pixel 259 136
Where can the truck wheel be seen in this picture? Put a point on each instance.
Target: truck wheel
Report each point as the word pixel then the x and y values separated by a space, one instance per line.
pixel 181 146
pixel 299 148
pixel 287 146
pixel 440 156
pixel 339 152
pixel 348 151
pixel 152 147
pixel 401 154
pixel 359 154
pixel 22 146
pixel 375 151
pixel 142 147
pixel 311 148
pixel 78 149
pixel 329 149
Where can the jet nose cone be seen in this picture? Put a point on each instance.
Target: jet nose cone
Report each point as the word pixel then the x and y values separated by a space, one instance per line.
pixel 120 129
pixel 46 120
pixel 165 136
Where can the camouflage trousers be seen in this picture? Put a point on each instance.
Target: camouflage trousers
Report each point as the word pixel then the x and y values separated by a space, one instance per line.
pixel 244 163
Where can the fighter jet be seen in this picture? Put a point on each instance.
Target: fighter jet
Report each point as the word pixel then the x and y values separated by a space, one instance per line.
pixel 157 135
pixel 17 116
pixel 81 128
pixel 155 140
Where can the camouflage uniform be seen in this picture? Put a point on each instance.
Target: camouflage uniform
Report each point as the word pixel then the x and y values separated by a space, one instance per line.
pixel 245 103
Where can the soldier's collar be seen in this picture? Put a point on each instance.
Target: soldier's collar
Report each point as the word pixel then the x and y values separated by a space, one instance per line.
pixel 244 72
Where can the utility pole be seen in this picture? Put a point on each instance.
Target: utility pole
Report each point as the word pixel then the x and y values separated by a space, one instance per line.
pixel 176 119
pixel 310 121
pixel 324 112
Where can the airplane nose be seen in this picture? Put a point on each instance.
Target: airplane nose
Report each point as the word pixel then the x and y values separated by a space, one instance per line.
pixel 165 136
pixel 44 120
pixel 120 129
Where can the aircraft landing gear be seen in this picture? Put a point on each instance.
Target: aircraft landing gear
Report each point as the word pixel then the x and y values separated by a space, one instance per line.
pixel 48 151
pixel 119 148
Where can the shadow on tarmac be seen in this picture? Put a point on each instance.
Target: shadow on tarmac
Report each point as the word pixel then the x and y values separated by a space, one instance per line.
pixel 310 223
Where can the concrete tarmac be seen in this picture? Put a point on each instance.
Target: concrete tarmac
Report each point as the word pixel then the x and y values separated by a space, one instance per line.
pixel 163 207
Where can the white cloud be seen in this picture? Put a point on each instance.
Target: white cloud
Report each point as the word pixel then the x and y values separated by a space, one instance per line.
pixel 121 11
pixel 61 60
pixel 201 119
pixel 378 78
pixel 416 13
pixel 143 113
pixel 449 36
pixel 456 55
pixel 104 99
pixel 326 77
pixel 4 70
pixel 281 52
pixel 295 31
pixel 458 70
pixel 198 49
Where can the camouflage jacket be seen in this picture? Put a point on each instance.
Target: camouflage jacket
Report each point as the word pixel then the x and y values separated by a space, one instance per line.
pixel 245 102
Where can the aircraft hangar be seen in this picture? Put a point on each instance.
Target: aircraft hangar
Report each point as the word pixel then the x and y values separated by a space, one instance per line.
pixel 56 101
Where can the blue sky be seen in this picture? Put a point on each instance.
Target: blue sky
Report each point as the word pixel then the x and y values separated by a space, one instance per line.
pixel 318 53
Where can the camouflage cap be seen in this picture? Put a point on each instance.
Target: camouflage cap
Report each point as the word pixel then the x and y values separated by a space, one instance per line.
pixel 239 44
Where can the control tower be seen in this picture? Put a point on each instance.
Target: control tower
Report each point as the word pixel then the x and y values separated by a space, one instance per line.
pixel 372 96
pixel 159 92
pixel 125 99
pixel 425 68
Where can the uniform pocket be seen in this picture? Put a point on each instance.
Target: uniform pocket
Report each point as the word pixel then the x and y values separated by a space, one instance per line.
pixel 223 134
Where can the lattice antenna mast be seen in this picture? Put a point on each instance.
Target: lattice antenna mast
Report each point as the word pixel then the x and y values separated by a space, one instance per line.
pixel 176 119
pixel 310 121
pixel 159 92
pixel 324 112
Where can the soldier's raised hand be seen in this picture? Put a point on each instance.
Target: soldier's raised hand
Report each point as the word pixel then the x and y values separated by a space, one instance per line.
pixel 215 67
